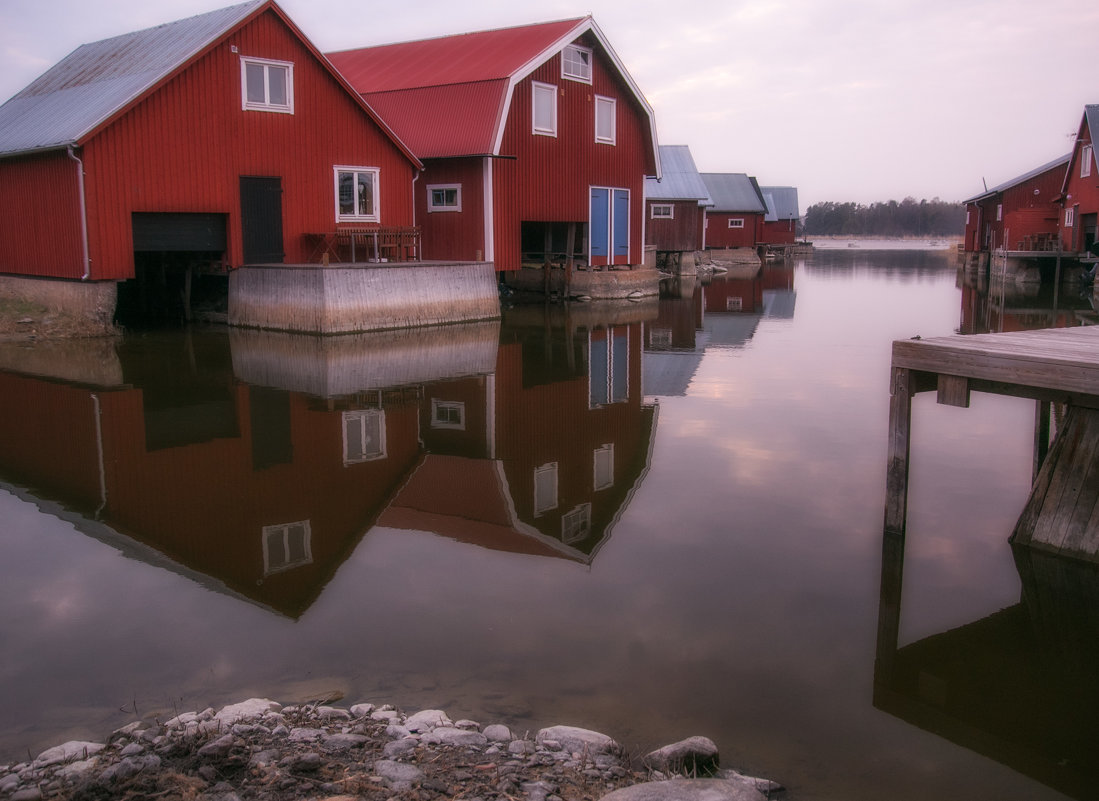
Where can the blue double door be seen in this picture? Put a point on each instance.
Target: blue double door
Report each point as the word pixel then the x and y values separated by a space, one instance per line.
pixel 609 240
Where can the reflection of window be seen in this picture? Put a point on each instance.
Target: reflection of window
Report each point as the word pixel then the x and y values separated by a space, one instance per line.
pixel 545 109
pixel 999 212
pixel 448 414
pixel 663 211
pixel 444 197
pixel 267 85
pixel 356 194
pixel 363 436
pixel 286 547
pixel 734 304
pixel 660 337
pixel 576 63
pixel 576 525
pixel 604 120
pixel 736 222
pixel 1085 161
pixel 604 466
pixel 545 488
pixel 608 368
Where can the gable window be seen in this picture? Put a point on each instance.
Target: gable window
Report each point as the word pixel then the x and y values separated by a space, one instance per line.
pixel 545 109
pixel 356 194
pixel 1086 156
pixel 267 85
pixel 448 414
pixel 1070 215
pixel 545 488
pixel 444 197
pixel 605 120
pixel 736 222
pixel 576 63
pixel 363 436
pixel 663 211
pixel 286 546
pixel 576 525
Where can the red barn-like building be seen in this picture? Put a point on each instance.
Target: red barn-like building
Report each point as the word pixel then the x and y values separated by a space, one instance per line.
pixel 223 138
pixel 780 223
pixel 676 215
pixel 522 131
pixel 1081 188
pixel 1018 215
pixel 736 217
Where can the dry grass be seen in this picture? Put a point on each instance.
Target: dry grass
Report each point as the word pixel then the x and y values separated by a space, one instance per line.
pixel 23 320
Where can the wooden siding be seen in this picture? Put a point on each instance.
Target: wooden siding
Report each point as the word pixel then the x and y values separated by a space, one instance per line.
pixel 781 232
pixel 1081 194
pixel 458 235
pixel 550 176
pixel 720 235
pixel 184 148
pixel 682 232
pixel 40 226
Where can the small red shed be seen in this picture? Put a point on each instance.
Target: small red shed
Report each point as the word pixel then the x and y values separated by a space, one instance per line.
pixel 522 131
pixel 676 204
pixel 736 216
pixel 1080 202
pixel 224 138
pixel 780 223
pixel 1020 214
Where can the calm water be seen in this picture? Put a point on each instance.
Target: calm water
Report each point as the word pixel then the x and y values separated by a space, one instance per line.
pixel 654 520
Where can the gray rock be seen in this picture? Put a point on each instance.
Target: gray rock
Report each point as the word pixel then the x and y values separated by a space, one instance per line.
pixel 521 747
pixel 362 710
pixel 573 739
pixel 398 775
pixel 332 713
pixel 67 752
pixel 765 786
pixel 9 783
pixel 465 723
pixel 395 732
pixel 133 749
pixel 687 790
pixel 496 733
pixel 303 735
pixel 399 748
pixel 27 794
pixel 426 720
pixel 343 742
pixel 445 735
pixel 537 791
pixel 216 749
pixel 268 757
pixel 308 762
pixel 130 766
pixel 388 715
pixel 246 710
pixel 695 757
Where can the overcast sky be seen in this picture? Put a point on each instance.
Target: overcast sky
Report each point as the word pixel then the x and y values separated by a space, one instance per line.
pixel 848 100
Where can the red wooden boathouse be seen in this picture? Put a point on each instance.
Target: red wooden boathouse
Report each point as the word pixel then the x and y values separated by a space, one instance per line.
pixel 1080 193
pixel 676 204
pixel 736 217
pixel 1018 215
pixel 224 138
pixel 780 223
pixel 522 131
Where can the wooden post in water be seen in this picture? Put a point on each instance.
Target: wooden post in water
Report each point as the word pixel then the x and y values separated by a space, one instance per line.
pixel 896 477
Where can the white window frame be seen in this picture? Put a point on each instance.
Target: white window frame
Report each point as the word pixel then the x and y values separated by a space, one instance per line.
pixel 441 416
pixel 734 304
pixel 606 138
pixel 546 90
pixel 967 213
pixel 432 206
pixel 1070 218
pixel 574 66
pixel 1086 156
pixel 604 453
pixel 545 504
pixel 357 216
pixel 657 211
pixel 360 453
pixel 266 104
pixel 999 212
pixel 283 533
pixel 576 524
pixel 736 222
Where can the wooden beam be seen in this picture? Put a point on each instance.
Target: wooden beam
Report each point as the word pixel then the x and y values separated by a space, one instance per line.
pixel 896 476
pixel 953 391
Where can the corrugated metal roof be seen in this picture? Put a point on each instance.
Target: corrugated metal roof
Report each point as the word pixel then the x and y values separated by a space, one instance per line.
pixel 97 80
pixel 679 178
pixel 782 203
pixel 1060 162
pixel 733 191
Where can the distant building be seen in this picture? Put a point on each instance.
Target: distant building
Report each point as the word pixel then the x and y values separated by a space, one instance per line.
pixel 1020 214
pixel 780 224
pixel 736 216
pixel 676 204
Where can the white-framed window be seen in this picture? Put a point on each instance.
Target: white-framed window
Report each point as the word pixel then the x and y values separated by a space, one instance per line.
pixel 287 546
pixel 605 120
pixel 544 108
pixel 363 436
pixel 999 212
pixel 267 85
pixel 576 524
pixel 545 488
pixel 1086 157
pixel 734 304
pixel 1070 217
pixel 448 414
pixel 662 211
pixel 444 197
pixel 356 194
pixel 576 63
pixel 603 466
pixel 660 337
pixel 736 222
pixel 967 216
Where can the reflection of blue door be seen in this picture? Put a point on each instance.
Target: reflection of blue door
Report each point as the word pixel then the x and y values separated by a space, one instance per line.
pixel 609 239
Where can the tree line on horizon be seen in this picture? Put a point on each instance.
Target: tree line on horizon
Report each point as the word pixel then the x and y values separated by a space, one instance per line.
pixel 910 217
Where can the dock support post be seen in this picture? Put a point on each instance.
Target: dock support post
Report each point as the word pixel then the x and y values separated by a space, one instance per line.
pixel 896 478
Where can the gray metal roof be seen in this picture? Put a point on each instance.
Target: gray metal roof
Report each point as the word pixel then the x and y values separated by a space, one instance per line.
pixel 782 203
pixel 97 80
pixel 679 179
pixel 733 191
pixel 1061 162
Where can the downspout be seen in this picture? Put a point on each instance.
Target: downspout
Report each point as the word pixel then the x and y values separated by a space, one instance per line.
pixel 83 212
pixel 419 244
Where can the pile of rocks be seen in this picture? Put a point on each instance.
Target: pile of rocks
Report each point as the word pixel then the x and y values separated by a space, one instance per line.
pixel 259 749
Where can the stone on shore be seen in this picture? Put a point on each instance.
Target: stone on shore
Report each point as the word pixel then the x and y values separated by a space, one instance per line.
pixel 576 740
pixel 695 757
pixel 687 790
pixel 246 710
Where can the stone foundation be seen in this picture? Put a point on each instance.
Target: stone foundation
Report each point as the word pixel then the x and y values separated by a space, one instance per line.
pixel 605 284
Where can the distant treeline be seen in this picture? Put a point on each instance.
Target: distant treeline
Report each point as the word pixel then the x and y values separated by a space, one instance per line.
pixel 910 217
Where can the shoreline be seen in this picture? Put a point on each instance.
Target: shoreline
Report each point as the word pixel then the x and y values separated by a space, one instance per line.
pixel 260 749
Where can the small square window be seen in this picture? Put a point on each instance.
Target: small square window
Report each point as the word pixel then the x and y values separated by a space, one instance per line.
pixel 363 436
pixel 286 546
pixel 663 211
pixel 444 197
pixel 1087 155
pixel 576 524
pixel 267 85
pixel 605 122
pixel 545 109
pixel 356 194
pixel 734 304
pixel 576 63
pixel 448 414
pixel 736 222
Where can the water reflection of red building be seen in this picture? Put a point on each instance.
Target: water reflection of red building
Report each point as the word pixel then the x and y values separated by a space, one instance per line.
pixel 1020 308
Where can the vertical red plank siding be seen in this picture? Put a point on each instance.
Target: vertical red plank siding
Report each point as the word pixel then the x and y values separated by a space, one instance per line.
pixel 40 228
pixel 184 148
pixel 1081 194
pixel 720 235
pixel 453 234
pixel 780 232
pixel 682 232
pixel 550 177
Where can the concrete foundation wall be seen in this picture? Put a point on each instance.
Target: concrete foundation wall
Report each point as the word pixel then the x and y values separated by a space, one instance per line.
pixel 338 300
pixel 590 283
pixel 95 300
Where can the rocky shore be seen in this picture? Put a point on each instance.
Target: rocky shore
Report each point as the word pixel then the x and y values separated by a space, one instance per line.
pixel 259 749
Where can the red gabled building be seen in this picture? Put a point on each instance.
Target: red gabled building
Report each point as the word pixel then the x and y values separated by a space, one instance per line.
pixel 1080 191
pixel 780 223
pixel 1017 215
pixel 223 138
pixel 736 216
pixel 522 131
